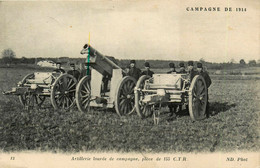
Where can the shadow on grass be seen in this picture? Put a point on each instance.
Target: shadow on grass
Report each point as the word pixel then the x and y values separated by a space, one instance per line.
pixel 217 107
pixel 214 109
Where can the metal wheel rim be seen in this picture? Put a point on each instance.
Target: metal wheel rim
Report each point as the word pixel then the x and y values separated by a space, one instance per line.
pixel 143 110
pixel 63 92
pixel 22 97
pixel 198 98
pixel 83 94
pixel 124 99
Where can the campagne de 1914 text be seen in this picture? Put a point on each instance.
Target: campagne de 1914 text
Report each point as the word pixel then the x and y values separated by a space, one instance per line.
pixel 215 9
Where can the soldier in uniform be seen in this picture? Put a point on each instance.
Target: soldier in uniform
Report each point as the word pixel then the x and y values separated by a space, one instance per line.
pixel 172 68
pixel 134 71
pixel 205 75
pixel 191 70
pixel 147 70
pixel 73 71
pixel 181 71
pixel 182 68
pixel 191 74
pixel 58 68
pixel 126 70
pixel 172 107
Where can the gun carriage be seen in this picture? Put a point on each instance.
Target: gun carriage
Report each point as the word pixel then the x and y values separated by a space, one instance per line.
pixel 105 86
pixel 152 93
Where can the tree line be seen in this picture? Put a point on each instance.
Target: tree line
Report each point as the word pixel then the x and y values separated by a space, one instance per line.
pixel 8 56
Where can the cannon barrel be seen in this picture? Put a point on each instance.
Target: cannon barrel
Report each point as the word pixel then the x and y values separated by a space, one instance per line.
pixel 99 62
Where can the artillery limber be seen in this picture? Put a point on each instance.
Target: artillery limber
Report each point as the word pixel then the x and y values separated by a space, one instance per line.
pixel 105 86
pixel 152 93
pixel 35 87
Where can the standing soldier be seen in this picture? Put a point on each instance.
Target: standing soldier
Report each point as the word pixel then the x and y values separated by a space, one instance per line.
pixel 182 68
pixel 172 106
pixel 134 71
pixel 58 68
pixel 126 70
pixel 172 68
pixel 205 75
pixel 147 70
pixel 182 71
pixel 191 71
pixel 73 71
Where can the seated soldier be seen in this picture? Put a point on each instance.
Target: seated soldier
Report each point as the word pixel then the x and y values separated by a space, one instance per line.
pixel 58 68
pixel 147 70
pixel 73 71
pixel 172 68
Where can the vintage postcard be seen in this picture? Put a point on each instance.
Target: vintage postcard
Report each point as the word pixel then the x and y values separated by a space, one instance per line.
pixel 125 83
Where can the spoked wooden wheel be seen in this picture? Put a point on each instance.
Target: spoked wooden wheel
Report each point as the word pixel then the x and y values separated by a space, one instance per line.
pixel 83 94
pixel 22 98
pixel 143 110
pixel 63 92
pixel 197 98
pixel 38 99
pixel 124 99
pixel 33 99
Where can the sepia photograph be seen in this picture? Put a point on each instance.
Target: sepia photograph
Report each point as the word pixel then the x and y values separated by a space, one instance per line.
pixel 129 83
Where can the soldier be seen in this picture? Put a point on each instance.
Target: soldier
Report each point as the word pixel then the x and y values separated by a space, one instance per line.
pixel 134 71
pixel 182 71
pixel 73 71
pixel 172 107
pixel 126 70
pixel 172 68
pixel 147 70
pixel 58 68
pixel 205 75
pixel 191 70
pixel 182 68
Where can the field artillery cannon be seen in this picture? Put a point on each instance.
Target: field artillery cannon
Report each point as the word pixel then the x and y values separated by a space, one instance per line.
pixel 152 93
pixel 105 85
pixel 35 87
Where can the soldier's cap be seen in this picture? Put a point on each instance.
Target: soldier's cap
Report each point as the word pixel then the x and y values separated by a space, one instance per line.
pixel 171 65
pixel 72 64
pixel 181 64
pixel 132 62
pixel 199 65
pixel 58 63
pixel 146 64
pixel 190 63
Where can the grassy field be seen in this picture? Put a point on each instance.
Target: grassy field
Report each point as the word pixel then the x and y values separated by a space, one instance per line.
pixel 233 124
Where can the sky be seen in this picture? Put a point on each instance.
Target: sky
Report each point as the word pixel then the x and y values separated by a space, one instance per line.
pixel 132 29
